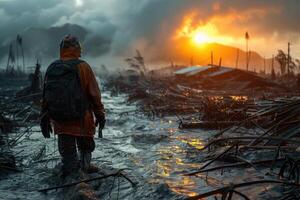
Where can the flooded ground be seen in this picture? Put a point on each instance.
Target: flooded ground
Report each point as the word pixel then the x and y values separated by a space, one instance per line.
pixel 154 153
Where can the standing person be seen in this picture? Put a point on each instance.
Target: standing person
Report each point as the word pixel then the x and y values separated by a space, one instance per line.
pixel 72 104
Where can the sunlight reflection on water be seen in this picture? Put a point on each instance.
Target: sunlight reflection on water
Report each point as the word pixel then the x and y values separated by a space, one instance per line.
pixel 194 142
pixel 172 163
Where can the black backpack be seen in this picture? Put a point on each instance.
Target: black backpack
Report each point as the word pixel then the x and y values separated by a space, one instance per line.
pixel 63 93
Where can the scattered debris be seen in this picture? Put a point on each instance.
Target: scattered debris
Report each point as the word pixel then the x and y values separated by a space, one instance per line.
pixel 17 118
pixel 253 130
pixel 35 85
pixel 278 136
pixel 257 127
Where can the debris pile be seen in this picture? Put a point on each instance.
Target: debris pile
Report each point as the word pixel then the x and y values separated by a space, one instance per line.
pixel 17 118
pixel 194 108
pixel 271 148
pixel 257 133
pixel 212 97
pixel 33 91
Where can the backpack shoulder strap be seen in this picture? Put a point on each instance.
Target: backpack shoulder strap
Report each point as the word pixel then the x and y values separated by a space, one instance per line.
pixel 46 74
pixel 51 65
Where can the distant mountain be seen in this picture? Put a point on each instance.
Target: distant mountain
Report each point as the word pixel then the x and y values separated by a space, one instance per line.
pixel 230 56
pixel 44 43
pixel 234 57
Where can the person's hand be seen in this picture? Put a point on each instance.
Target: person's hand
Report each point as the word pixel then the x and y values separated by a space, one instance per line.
pixel 45 125
pixel 100 121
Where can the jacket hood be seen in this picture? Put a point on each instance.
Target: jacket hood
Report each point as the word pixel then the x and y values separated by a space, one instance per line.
pixel 69 53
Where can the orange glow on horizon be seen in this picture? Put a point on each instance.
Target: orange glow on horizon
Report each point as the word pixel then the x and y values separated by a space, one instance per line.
pixel 195 37
pixel 194 40
pixel 200 33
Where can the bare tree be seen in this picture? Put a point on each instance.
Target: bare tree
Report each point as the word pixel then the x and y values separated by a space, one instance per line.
pixel 281 58
pixel 247 37
pixel 297 62
pixel 284 60
pixel 137 63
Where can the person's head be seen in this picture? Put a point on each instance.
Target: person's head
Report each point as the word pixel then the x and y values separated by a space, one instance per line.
pixel 70 43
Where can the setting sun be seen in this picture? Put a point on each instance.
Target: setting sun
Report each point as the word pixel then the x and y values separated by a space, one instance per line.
pixel 200 38
pixel 197 33
pixel 200 33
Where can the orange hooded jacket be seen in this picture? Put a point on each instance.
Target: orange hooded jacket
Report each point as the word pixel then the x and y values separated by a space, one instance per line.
pixel 91 89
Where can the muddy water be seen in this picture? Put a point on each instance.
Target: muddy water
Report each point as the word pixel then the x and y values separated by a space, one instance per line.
pixel 153 153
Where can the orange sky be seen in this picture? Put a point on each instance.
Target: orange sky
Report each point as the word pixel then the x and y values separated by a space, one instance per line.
pixel 229 30
pixel 189 31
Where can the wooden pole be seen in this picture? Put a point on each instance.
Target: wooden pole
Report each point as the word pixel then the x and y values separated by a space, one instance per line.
pixel 17 58
pixel 288 58
pixel 247 55
pixel 7 65
pixel 264 64
pixel 247 37
pixel 272 65
pixel 237 58
pixel 212 58
pixel 248 60
pixel 23 58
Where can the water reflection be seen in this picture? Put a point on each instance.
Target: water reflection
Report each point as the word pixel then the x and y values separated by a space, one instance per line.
pixel 173 162
pixel 185 185
pixel 194 142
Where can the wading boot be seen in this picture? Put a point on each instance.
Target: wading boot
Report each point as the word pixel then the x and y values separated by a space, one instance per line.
pixel 85 163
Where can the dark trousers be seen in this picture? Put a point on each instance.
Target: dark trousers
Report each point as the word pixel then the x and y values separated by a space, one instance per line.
pixel 67 146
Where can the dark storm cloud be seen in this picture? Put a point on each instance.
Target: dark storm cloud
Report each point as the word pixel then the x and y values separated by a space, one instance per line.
pixel 42 25
pixel 117 24
pixel 267 15
pixel 16 16
pixel 154 21
pixel 277 15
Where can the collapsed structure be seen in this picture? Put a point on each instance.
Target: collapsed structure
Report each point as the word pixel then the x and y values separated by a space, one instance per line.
pixel 226 79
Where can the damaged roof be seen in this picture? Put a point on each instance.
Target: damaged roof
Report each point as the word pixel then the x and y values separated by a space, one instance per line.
pixel 192 70
pixel 207 70
pixel 226 78
pixel 220 71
